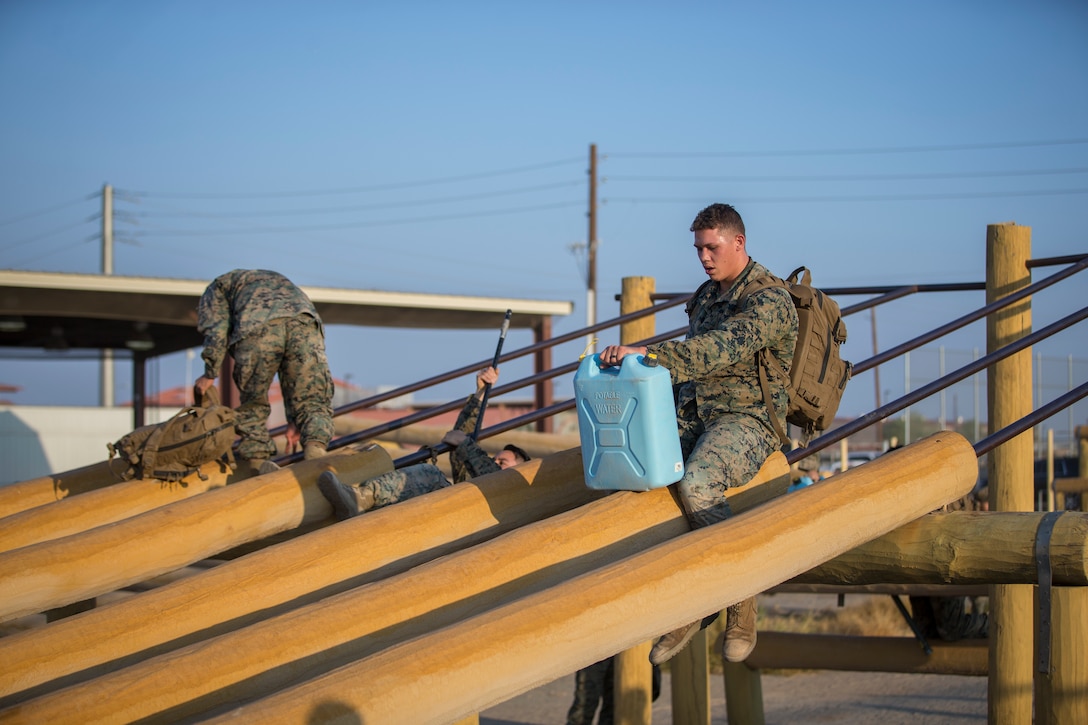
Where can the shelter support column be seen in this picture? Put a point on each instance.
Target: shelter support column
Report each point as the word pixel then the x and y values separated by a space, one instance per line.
pixel 1009 389
pixel 542 360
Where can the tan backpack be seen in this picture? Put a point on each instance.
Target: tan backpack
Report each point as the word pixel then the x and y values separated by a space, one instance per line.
pixel 172 450
pixel 818 375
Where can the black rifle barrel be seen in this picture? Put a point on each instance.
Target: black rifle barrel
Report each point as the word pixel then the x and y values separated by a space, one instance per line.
pixel 494 364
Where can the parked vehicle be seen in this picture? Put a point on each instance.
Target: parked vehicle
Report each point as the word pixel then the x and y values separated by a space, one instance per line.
pixel 1064 467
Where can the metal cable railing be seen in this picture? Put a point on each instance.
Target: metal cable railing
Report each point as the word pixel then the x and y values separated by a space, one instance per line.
pixel 1076 263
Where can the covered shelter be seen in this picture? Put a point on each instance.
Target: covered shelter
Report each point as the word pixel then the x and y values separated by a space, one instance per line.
pixel 151 316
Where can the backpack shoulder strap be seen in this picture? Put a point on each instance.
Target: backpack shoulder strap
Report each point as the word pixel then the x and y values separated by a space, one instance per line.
pixel 763 282
pixel 698 293
pixel 764 359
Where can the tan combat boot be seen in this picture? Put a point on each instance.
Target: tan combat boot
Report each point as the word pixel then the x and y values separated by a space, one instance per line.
pixel 314 450
pixel 671 643
pixel 740 631
pixel 347 501
pixel 261 466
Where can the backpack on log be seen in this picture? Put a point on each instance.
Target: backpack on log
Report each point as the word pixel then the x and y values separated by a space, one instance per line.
pixel 818 375
pixel 172 450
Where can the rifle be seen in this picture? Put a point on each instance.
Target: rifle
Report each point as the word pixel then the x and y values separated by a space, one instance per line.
pixel 494 364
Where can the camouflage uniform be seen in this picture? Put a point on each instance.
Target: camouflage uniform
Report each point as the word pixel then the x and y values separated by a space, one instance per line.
pixel 948 618
pixel 725 431
pixel 594 686
pixel 269 326
pixel 468 460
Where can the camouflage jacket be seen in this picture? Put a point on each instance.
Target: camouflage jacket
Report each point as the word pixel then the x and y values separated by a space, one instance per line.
pixel 469 460
pixel 237 304
pixel 714 369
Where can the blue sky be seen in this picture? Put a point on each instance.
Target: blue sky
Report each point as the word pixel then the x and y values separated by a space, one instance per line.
pixel 443 147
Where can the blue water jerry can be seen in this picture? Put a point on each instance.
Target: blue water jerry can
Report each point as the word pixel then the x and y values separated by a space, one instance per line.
pixel 627 424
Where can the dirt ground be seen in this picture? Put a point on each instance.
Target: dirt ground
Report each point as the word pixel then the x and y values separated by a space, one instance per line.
pixel 846 698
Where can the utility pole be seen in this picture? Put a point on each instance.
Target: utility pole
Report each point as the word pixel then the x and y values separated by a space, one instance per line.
pixel 591 247
pixel 106 387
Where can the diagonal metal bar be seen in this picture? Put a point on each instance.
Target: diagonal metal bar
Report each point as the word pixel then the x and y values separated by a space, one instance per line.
pixel 925 391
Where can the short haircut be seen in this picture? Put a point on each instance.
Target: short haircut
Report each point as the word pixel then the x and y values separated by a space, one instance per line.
pixel 517 452
pixel 720 217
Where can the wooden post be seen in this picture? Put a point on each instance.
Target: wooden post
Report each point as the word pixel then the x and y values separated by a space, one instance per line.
pixel 744 695
pixel 1082 449
pixel 634 296
pixel 632 686
pixel 633 674
pixel 1062 693
pixel 1011 472
pixel 690 682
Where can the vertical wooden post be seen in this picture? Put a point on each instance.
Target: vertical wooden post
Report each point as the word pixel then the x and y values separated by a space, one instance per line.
pixel 1009 389
pixel 1082 451
pixel 743 695
pixel 633 678
pixel 635 295
pixel 690 683
pixel 1062 693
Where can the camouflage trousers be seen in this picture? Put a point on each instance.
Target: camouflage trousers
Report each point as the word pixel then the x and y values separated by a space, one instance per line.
pixel 405 483
pixel 948 618
pixel 592 689
pixel 293 348
pixel 727 453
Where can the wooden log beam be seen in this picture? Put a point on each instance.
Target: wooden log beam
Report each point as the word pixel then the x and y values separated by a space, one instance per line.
pixel 75 514
pixel 898 590
pixel 265 657
pixel 413 436
pixel 267 582
pixel 791 650
pixel 963 547
pixel 105 559
pixel 469 666
pixel 1071 485
pixel 44 490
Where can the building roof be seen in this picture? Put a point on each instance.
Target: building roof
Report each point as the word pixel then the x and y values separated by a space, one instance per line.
pixel 51 310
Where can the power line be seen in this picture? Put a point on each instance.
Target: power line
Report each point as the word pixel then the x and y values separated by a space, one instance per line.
pixel 350 190
pixel 51 252
pixel 50 233
pixel 47 210
pixel 847 151
pixel 856 198
pixel 859 177
pixel 359 225
pixel 363 207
